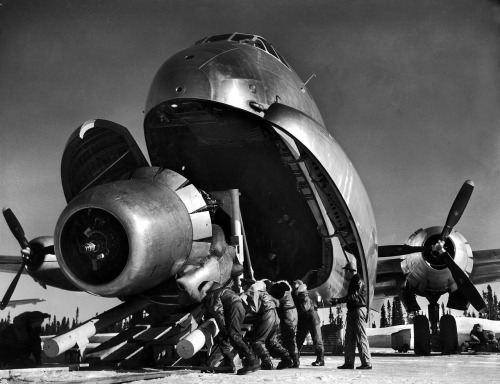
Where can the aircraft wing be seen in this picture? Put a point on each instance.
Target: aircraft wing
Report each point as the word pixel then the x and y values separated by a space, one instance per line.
pixel 14 303
pixel 486 267
pixel 389 277
pixel 10 264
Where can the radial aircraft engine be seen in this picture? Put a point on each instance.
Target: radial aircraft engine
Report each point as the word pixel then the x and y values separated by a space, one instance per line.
pixel 438 260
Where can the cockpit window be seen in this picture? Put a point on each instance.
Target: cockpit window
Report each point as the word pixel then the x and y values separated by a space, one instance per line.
pixel 246 38
pixel 260 44
pixel 270 49
pixel 218 38
pixel 241 36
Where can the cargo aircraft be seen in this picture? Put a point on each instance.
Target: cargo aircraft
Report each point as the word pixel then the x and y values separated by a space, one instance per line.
pixel 241 164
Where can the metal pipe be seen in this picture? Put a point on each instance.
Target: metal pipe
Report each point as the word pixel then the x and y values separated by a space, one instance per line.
pixel 248 260
pixel 236 221
pixel 80 335
pixel 201 336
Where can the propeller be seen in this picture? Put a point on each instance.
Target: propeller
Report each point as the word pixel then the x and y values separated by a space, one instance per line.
pixel 18 232
pixel 464 284
pixel 458 208
pixel 438 250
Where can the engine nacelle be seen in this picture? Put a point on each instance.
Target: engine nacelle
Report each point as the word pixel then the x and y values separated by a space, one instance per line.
pixel 43 267
pixel 424 273
pixel 126 236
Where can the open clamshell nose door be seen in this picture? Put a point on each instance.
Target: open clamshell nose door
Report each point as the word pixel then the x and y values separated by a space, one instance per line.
pixel 324 165
pixel 332 181
pixel 97 152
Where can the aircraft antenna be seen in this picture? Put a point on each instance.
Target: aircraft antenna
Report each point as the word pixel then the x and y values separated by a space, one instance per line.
pixel 310 77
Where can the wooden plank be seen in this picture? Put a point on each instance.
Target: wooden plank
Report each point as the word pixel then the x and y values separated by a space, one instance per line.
pixel 171 335
pixel 123 378
pixel 117 342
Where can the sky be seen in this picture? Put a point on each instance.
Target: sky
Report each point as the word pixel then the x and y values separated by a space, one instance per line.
pixel 410 89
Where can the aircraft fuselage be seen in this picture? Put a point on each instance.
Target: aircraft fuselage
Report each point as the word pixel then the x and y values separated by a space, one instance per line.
pixel 230 114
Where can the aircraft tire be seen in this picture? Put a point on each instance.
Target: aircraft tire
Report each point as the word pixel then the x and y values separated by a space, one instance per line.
pixel 448 336
pixel 422 336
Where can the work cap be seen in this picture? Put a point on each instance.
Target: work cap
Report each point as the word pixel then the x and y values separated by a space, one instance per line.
pixel 350 267
pixel 38 315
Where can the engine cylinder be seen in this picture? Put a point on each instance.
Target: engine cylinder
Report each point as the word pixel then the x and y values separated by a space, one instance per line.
pixel 123 237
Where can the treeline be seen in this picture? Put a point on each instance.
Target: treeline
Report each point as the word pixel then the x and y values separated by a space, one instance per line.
pixel 492 306
pixel 58 327
pixel 336 319
pixel 392 314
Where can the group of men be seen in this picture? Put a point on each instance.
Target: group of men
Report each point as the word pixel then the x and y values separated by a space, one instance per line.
pixel 274 308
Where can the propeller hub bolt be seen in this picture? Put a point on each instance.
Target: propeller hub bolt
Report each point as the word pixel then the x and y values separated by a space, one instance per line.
pixel 88 247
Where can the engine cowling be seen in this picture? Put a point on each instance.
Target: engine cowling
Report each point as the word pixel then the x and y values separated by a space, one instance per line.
pixel 424 273
pixel 126 236
pixel 43 267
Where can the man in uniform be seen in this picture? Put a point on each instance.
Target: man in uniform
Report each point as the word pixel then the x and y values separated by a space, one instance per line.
pixel 287 313
pixel 261 312
pixel 309 321
pixel 226 307
pixel 20 343
pixel 481 339
pixel 355 333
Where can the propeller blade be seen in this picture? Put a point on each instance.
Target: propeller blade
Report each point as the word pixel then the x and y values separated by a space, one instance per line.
pixel 464 284
pixel 15 228
pixel 398 250
pixel 12 287
pixel 458 208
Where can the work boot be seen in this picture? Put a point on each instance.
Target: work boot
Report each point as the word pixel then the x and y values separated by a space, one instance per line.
pixel 250 364
pixel 266 364
pixel 296 360
pixel 287 362
pixel 364 366
pixel 320 361
pixel 262 353
pixel 277 349
pixel 228 366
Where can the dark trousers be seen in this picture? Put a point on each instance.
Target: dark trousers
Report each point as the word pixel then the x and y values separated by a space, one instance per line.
pixel 264 336
pixel 288 328
pixel 233 317
pixel 310 325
